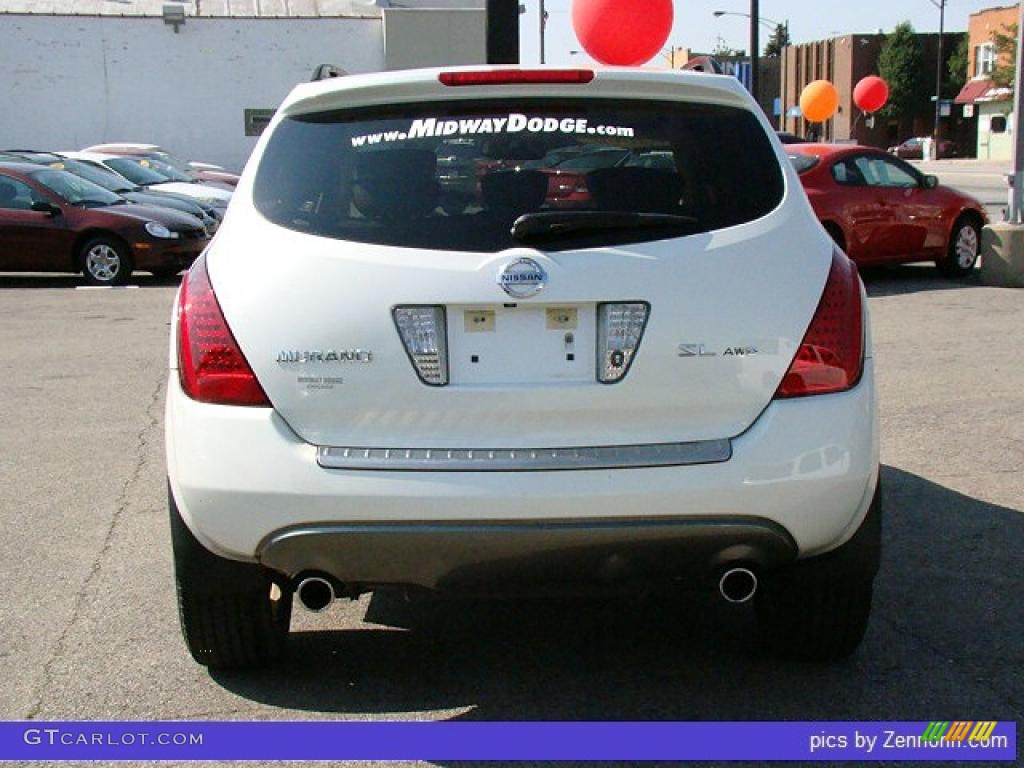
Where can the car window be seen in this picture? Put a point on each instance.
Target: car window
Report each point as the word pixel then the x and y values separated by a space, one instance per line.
pixel 591 161
pixel 171 162
pixel 75 189
pixel 850 172
pixel 804 163
pixel 17 195
pixel 880 172
pixel 373 175
pixel 106 179
pixel 896 173
pixel 135 172
pixel 872 171
pixel 156 171
pixel 661 160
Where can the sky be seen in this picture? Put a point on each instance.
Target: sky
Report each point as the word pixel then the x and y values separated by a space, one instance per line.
pixel 697 29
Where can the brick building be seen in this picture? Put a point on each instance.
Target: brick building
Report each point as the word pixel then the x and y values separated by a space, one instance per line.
pixel 844 61
pixel 986 106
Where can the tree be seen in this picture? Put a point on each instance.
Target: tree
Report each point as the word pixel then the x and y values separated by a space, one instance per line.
pixel 1005 71
pixel 901 65
pixel 956 66
pixel 778 41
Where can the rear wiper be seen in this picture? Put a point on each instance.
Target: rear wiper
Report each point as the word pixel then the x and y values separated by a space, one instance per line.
pixel 557 223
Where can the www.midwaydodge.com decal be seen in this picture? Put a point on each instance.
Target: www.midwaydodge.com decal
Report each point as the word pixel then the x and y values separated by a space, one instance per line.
pixel 430 127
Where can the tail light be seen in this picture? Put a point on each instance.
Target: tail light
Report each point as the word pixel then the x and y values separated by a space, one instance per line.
pixel 424 333
pixel 517 76
pixel 831 356
pixel 619 330
pixel 211 367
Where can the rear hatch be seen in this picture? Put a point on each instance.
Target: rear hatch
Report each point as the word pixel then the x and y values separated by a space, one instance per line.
pixel 664 306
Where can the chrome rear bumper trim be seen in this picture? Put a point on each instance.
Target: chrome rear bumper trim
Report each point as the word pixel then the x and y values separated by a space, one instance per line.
pixel 525 459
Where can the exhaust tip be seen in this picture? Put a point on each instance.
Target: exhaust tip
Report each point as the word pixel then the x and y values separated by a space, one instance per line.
pixel 315 593
pixel 738 585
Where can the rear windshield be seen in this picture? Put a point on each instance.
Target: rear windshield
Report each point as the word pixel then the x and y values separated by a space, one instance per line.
pixel 457 176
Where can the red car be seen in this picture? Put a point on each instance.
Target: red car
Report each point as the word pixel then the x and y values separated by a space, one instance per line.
pixel 882 210
pixel 53 221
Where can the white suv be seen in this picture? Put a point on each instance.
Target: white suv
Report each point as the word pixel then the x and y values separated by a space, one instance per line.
pixel 586 372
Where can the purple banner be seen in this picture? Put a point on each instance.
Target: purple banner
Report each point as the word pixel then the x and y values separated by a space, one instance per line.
pixel 453 741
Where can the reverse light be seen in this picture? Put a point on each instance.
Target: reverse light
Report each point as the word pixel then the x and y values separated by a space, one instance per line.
pixel 620 327
pixel 831 356
pixel 517 76
pixel 211 367
pixel 424 333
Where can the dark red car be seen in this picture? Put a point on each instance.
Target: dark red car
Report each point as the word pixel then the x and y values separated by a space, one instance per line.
pixel 882 210
pixel 53 221
pixel 913 149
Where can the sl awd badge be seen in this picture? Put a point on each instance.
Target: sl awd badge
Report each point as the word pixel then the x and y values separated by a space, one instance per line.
pixel 522 278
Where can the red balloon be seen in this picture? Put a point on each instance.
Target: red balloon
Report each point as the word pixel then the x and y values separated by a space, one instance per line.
pixel 871 93
pixel 622 32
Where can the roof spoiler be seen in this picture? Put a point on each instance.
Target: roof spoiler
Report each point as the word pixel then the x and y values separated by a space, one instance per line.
pixel 326 71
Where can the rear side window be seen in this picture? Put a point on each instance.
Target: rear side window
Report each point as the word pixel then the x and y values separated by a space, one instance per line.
pixel 456 176
pixel 803 163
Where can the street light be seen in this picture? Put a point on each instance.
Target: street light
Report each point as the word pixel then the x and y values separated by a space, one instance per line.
pixel 755 19
pixel 762 20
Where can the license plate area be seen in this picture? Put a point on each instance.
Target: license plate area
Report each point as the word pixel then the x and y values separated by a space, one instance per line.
pixel 521 344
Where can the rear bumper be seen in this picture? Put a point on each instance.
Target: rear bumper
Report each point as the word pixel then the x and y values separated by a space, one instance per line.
pixel 521 556
pixel 250 489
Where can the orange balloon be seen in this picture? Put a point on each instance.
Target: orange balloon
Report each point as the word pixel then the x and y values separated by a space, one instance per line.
pixel 819 101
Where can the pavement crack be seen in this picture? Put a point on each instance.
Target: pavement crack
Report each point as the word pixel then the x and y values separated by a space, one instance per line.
pixel 143 439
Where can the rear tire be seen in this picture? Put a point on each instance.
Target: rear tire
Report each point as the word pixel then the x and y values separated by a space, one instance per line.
pixel 818 609
pixel 804 618
pixel 227 614
pixel 963 248
pixel 105 261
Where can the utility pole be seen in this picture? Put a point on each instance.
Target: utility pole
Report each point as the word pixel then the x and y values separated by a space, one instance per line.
pixel 1015 215
pixel 502 32
pixel 941 5
pixel 543 24
pixel 755 53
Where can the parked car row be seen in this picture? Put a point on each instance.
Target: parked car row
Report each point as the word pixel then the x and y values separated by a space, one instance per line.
pixel 107 213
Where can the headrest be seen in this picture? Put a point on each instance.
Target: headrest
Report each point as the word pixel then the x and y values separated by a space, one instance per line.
pixel 514 190
pixel 644 190
pixel 396 183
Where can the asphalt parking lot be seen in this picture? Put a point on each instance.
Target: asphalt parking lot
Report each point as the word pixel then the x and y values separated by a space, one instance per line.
pixel 89 625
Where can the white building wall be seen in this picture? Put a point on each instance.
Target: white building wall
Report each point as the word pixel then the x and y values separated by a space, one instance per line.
pixel 69 81
pixel 994 145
